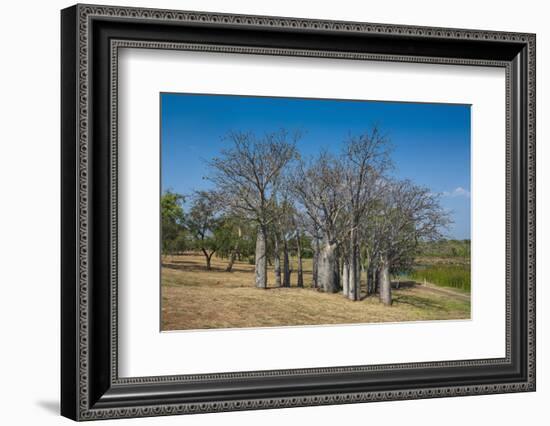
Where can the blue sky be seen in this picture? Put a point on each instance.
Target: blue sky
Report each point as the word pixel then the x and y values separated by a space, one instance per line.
pixel 431 142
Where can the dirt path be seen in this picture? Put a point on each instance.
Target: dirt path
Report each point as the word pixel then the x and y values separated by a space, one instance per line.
pixel 432 288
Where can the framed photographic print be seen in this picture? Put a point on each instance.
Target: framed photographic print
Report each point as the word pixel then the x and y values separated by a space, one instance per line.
pixel 263 212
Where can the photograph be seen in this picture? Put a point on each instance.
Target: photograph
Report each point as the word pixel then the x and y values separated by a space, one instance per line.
pixel 279 211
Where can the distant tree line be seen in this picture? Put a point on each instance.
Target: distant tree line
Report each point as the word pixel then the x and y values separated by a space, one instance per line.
pixel 345 211
pixel 446 248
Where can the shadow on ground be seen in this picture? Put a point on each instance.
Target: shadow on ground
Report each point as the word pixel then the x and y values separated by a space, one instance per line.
pixel 50 406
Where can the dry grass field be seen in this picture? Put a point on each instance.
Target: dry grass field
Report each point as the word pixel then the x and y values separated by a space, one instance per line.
pixel 194 298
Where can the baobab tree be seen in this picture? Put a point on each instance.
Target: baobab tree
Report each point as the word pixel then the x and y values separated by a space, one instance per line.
pixel 247 175
pixel 336 193
pixel 365 160
pixel 408 214
pixel 318 187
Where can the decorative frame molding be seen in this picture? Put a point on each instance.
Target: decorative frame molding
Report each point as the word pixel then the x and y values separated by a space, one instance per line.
pixel 91 37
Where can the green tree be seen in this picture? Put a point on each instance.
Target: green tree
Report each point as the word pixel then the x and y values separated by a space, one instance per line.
pixel 229 236
pixel 173 233
pixel 203 222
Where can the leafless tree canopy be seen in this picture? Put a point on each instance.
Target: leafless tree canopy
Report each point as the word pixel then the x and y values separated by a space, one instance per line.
pixel 248 175
pixel 248 172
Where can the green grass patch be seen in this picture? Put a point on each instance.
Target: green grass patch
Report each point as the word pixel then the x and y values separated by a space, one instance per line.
pixel 455 276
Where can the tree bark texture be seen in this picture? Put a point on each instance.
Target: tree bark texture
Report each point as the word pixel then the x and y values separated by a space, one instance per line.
pixel 337 271
pixel 345 279
pixel 315 263
pixel 208 258
pixel 286 264
pixel 327 271
pixel 277 263
pixel 354 287
pixel 300 278
pixel 385 283
pixel 260 268
pixel 370 279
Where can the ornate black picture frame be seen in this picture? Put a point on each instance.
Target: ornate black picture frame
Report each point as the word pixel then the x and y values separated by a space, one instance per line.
pixel 91 388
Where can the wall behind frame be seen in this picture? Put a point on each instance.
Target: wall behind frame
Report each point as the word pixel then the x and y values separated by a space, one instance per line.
pixel 29 218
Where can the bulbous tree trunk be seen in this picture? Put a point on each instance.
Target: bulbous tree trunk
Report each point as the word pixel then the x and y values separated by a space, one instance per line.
pixel 385 283
pixel 327 272
pixel 345 279
pixel 277 263
pixel 260 268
